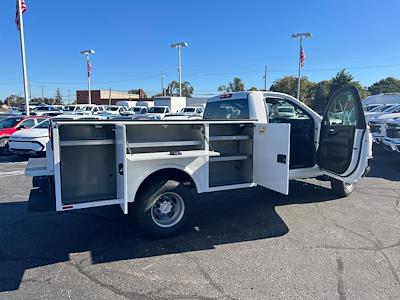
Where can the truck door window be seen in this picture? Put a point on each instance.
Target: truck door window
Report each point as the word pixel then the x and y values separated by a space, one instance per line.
pixel 279 110
pixel 227 109
pixel 342 111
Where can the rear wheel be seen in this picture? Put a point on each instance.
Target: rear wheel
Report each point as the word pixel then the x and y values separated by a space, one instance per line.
pixel 163 208
pixel 342 188
pixel 4 150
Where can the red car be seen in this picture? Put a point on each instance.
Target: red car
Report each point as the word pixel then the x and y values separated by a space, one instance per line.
pixel 11 124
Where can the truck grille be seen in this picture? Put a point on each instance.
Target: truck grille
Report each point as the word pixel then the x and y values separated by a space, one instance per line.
pixel 393 130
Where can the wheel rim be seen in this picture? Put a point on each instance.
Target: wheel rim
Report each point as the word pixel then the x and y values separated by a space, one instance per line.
pixel 3 143
pixel 168 209
pixel 348 186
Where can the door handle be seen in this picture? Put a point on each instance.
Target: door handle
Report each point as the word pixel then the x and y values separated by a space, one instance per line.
pixel 121 169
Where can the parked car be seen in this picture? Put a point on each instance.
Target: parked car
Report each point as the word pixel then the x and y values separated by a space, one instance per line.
pixel 135 110
pixel 192 110
pixel 391 141
pixel 114 110
pixel 90 109
pixel 378 126
pixel 12 124
pixel 47 110
pixel 158 112
pixel 30 141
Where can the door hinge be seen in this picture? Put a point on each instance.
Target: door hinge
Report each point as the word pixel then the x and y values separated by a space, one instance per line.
pixel 281 158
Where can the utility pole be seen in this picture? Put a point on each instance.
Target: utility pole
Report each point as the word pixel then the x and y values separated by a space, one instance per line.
pixel 42 93
pixel 24 72
pixel 68 96
pixel 109 97
pixel 30 88
pixel 179 46
pixel 300 36
pixel 162 82
pixel 265 78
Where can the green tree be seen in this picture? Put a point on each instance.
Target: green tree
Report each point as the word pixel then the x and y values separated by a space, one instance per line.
pixel 253 88
pixel 173 89
pixel 235 86
pixel 341 79
pixel 14 100
pixel 363 91
pixel 386 85
pixel 321 97
pixel 288 85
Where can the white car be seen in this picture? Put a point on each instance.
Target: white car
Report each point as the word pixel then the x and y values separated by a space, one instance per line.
pixel 378 126
pixel 370 107
pixel 157 112
pixel 30 141
pixel 90 110
pixel 114 110
pixel 391 141
pixel 47 110
pixel 135 110
pixel 192 110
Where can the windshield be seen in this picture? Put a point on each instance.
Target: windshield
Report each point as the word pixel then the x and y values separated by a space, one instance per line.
pixel 391 108
pixel 112 108
pixel 227 109
pixel 382 108
pixel 188 109
pixel 43 124
pixel 69 108
pixel 156 110
pixel 87 108
pixel 9 122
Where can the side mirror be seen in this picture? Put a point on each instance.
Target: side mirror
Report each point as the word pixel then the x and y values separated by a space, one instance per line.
pixel 20 127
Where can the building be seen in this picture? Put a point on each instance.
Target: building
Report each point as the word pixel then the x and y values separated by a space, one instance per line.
pixel 104 97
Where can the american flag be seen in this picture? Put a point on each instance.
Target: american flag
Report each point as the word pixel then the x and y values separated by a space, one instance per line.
pixel 302 57
pixel 89 68
pixel 23 9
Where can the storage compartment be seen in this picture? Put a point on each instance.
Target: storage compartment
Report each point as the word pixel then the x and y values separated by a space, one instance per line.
pixel 234 142
pixel 230 172
pixel 88 173
pixel 148 138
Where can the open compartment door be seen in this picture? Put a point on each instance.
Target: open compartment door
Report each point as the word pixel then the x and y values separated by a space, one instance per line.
pixel 271 156
pixel 121 172
pixel 344 138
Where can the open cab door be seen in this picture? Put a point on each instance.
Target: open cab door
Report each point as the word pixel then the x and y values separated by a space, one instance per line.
pixel 271 156
pixel 344 140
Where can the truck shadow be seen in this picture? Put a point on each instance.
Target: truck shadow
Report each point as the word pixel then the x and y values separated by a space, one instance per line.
pixel 30 240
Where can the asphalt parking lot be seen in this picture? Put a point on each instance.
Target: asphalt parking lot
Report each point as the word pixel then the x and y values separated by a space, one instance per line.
pixel 248 244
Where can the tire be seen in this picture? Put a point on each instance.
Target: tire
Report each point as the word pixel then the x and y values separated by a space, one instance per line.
pixel 342 189
pixel 4 150
pixel 164 208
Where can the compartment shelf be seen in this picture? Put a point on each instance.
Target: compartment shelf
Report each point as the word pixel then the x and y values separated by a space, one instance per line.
pixel 87 142
pixel 167 155
pixel 164 144
pixel 230 157
pixel 229 137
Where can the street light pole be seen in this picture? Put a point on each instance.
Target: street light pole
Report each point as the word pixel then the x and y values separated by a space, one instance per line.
pixel 300 36
pixel 179 46
pixel 88 69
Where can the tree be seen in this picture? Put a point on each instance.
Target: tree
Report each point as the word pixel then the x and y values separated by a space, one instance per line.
pixel 173 89
pixel 14 100
pixel 321 97
pixel 58 97
pixel 253 88
pixel 363 91
pixel 386 85
pixel 341 79
pixel 235 86
pixel 288 85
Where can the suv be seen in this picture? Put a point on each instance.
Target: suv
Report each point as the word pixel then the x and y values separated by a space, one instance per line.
pixel 392 140
pixel 12 124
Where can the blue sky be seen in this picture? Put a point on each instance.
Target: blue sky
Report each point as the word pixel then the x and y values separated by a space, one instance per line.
pixel 226 39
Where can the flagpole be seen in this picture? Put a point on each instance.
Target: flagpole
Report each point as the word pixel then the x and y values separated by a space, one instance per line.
pixel 299 74
pixel 24 73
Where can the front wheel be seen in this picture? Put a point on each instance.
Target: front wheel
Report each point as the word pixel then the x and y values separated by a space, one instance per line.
pixel 342 188
pixel 4 149
pixel 163 208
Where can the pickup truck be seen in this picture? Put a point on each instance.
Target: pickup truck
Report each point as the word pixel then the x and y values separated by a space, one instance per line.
pixel 391 141
pixel 157 167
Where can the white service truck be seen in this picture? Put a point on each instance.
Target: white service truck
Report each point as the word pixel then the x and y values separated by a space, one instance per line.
pixel 243 141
